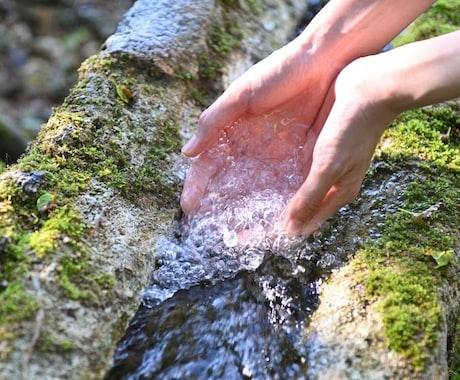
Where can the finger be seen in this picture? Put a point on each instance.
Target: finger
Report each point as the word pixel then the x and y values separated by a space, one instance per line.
pixel 194 188
pixel 307 201
pixel 337 197
pixel 223 112
pixel 320 179
pixel 196 182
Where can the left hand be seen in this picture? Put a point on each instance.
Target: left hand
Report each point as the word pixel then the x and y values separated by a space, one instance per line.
pixel 350 124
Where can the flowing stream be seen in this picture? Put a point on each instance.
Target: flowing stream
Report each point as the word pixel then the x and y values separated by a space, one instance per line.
pixel 220 311
pixel 231 292
pixel 245 327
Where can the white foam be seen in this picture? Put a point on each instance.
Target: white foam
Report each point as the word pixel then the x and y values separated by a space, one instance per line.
pixel 254 169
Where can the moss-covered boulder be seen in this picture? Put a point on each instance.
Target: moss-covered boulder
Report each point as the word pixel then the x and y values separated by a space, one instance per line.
pixel 82 209
pixel 392 310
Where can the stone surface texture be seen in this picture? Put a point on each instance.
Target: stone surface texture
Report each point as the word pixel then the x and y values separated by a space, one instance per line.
pixel 136 102
pixel 70 338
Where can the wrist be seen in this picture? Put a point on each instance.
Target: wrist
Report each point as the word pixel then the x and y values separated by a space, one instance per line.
pixel 345 30
pixel 362 86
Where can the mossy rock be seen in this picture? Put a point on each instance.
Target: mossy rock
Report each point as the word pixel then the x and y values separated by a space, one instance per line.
pixel 81 211
pixel 391 311
pixel 443 17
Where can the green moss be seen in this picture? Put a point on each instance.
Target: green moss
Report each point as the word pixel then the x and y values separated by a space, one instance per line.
pixel 47 342
pixel 15 304
pixel 430 135
pixel 443 17
pixel 402 281
pixel 253 6
pixel 222 38
pixel 455 353
pixel 398 270
pixel 151 176
pixel 89 138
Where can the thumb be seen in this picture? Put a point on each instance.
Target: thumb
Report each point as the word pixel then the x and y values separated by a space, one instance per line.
pixel 306 203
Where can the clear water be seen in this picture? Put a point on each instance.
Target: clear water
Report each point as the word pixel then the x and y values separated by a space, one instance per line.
pixel 232 312
pixel 231 291
pixel 246 327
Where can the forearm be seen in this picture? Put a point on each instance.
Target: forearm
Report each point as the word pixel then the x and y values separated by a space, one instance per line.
pixel 418 74
pixel 345 30
pixel 304 69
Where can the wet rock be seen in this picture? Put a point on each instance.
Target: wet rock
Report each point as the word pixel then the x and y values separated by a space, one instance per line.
pixel 29 182
pixel 79 270
pixel 112 185
pixel 160 31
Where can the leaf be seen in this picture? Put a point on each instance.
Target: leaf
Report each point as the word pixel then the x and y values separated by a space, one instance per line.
pixel 124 93
pixel 442 258
pixel 426 215
pixel 44 201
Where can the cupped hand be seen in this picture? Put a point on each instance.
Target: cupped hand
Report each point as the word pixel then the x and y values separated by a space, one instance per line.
pixel 254 154
pixel 288 82
pixel 274 81
pixel 350 124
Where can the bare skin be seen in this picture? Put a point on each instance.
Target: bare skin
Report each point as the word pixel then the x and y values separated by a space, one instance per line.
pixel 367 95
pixel 343 31
pixel 351 100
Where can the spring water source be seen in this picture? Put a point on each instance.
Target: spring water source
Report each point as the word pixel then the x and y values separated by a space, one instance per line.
pixel 231 292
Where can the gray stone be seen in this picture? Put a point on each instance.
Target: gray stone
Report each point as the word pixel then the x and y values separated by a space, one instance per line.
pixel 68 337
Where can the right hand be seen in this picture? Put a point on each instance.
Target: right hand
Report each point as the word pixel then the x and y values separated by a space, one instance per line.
pixel 350 123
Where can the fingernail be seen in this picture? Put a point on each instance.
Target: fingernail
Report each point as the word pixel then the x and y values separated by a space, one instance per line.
pixel 188 148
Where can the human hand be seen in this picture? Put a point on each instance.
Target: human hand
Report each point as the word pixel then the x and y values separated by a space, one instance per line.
pixel 286 81
pixel 340 132
pixel 350 124
pixel 275 80
pixel 323 164
pixel 367 95
pixel 254 154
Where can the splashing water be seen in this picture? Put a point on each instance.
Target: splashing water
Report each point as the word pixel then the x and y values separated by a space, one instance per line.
pixel 246 327
pixel 246 180
pixel 231 291
pixel 240 189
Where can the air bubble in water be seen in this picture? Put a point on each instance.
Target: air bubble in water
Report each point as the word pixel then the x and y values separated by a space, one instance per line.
pixel 259 163
pixel 230 238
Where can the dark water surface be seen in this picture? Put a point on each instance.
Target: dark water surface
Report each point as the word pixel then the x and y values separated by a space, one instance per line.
pixel 246 327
